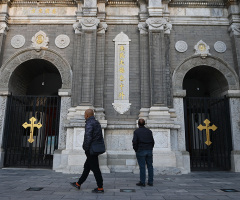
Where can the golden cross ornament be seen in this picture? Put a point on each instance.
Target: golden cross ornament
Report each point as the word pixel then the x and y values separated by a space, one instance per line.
pixel 32 126
pixel 207 127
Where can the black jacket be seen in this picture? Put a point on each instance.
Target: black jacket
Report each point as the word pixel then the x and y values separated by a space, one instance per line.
pixel 93 132
pixel 143 139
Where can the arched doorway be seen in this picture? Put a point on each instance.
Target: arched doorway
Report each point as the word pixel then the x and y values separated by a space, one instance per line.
pixel 33 86
pixel 207 119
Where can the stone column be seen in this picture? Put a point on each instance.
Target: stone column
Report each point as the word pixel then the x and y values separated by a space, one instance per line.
pixel 3 30
pixel 234 30
pixel 183 157
pixel 3 104
pixel 145 71
pixel 65 105
pixel 234 101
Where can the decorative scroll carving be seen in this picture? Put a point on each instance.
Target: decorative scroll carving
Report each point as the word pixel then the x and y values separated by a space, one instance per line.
pixel 159 24
pixel 40 40
pixel 121 81
pixel 62 41
pixel 142 26
pixel 220 47
pixel 102 27
pixel 77 27
pixel 17 41
pixel 202 49
pixel 3 28
pixel 234 29
pixel 181 46
pixel 89 23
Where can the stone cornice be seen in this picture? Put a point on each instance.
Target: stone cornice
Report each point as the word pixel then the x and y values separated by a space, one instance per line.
pixel 196 3
pixel 41 2
pixel 121 2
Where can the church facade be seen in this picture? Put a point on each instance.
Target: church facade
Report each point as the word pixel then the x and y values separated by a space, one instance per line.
pixel 174 63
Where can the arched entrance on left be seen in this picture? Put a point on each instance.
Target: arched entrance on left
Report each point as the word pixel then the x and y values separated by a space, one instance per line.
pixel 33 81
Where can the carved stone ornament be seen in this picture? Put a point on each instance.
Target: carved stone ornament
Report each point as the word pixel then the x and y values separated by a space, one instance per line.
pixel 3 28
pixel 89 23
pixel 62 41
pixel 181 46
pixel 17 41
pixel 202 49
pixel 121 107
pixel 40 40
pixel 159 24
pixel 234 29
pixel 220 47
pixel 77 27
pixel 142 26
pixel 102 27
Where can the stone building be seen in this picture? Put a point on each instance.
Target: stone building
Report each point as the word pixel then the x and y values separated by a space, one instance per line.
pixel 175 63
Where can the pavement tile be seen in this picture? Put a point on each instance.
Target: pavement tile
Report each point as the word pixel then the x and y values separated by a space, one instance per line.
pixel 196 185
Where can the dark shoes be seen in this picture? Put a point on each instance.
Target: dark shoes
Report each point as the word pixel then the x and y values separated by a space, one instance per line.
pixel 150 184
pixel 76 185
pixel 98 190
pixel 140 184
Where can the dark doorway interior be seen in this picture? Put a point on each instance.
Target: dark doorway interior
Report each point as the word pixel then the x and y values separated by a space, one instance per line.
pixel 204 101
pixel 35 77
pixel 34 87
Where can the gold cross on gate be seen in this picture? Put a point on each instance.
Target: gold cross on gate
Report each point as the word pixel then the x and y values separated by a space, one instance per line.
pixel 32 126
pixel 207 127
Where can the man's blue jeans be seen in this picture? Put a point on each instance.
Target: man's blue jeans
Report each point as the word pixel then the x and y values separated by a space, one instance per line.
pixel 145 157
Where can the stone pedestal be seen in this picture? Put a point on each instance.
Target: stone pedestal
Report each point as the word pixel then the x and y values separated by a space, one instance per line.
pixel 167 157
pixel 72 159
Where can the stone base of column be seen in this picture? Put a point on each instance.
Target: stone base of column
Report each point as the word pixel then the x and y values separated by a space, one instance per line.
pixel 1 158
pixel 72 159
pixel 235 161
pixel 167 159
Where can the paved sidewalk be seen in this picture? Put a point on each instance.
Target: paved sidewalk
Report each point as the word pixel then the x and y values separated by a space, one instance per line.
pixel 196 185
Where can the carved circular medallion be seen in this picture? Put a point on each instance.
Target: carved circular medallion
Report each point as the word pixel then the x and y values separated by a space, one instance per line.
pixel 181 46
pixel 220 47
pixel 62 41
pixel 17 41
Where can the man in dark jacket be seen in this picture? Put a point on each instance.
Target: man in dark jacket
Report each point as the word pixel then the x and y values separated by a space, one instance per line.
pixel 143 144
pixel 93 132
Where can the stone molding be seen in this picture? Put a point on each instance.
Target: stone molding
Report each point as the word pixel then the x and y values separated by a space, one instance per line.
pixel 220 47
pixel 62 41
pixel 30 53
pixel 211 61
pixel 40 40
pixel 234 29
pixel 202 49
pixel 17 41
pixel 159 24
pixel 3 28
pixel 181 46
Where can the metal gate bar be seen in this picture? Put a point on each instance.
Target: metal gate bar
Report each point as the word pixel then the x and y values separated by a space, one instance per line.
pixel 217 155
pixel 18 151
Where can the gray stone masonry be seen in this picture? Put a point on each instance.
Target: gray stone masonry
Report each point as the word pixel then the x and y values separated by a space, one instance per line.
pixel 194 186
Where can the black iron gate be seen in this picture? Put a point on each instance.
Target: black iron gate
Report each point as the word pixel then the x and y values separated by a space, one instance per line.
pixel 19 152
pixel 211 152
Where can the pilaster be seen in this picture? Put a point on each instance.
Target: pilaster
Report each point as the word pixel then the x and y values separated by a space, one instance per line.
pixel 3 107
pixel 234 101
pixel 234 31
pixel 3 27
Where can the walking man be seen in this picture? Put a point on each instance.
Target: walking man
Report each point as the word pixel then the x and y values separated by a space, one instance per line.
pixel 143 144
pixel 93 132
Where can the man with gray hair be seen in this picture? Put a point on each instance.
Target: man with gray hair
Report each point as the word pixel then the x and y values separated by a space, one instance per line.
pixel 143 144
